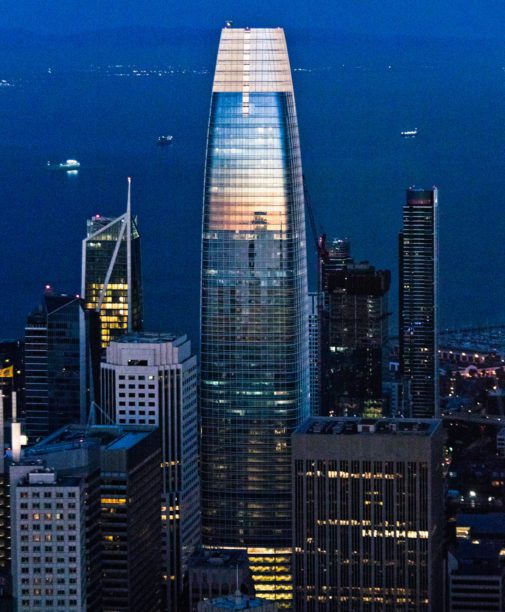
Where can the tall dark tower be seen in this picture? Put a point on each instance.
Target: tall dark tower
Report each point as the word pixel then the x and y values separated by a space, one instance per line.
pixel 111 273
pixel 254 319
pixel 61 362
pixel 418 300
pixel 354 333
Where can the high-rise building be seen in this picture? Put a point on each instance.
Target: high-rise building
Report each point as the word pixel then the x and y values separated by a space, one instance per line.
pixel 111 273
pixel 151 379
pixel 61 360
pixel 85 511
pixel 49 540
pixel 254 319
pixel 368 514
pixel 418 300
pixel 314 352
pixel 354 333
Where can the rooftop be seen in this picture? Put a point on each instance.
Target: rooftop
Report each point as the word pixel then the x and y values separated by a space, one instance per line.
pixel 367 426
pixel 149 338
pixel 70 437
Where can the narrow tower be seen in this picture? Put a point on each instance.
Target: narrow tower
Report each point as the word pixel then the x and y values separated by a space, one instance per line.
pixel 254 318
pixel 418 300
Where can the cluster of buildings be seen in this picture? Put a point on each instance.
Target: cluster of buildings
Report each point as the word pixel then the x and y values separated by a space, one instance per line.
pixel 285 470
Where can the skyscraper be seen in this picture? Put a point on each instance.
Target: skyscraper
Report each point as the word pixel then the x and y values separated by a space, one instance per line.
pixel 151 379
pixel 60 362
pixel 354 332
pixel 368 514
pixel 111 273
pixel 418 300
pixel 254 344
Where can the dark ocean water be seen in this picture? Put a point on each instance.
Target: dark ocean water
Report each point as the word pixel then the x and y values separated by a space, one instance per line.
pixel 356 165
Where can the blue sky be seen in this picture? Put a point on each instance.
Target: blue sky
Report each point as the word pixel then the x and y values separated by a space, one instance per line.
pixel 466 18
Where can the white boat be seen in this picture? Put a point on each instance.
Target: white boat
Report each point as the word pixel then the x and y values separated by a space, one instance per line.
pixel 409 133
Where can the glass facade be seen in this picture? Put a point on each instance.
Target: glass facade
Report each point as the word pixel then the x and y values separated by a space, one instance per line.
pixel 254 318
pixel 105 262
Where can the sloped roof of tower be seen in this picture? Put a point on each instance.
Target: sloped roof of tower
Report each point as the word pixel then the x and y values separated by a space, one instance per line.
pixel 252 60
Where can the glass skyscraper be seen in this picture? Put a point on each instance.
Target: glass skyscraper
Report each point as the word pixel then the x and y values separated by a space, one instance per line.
pixel 111 273
pixel 254 351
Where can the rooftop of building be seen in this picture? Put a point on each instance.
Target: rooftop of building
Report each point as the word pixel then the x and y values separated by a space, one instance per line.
pixel 237 602
pixel 46 476
pixel 367 426
pixel 150 338
pixel 228 559
pixel 113 437
pixel 491 523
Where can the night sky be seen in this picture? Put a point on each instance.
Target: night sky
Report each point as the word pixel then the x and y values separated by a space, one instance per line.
pixel 448 80
pixel 467 18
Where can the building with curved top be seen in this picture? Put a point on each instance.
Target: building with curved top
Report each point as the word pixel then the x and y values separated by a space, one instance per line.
pixel 254 335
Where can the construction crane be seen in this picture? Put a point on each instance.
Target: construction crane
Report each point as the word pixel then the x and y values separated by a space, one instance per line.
pixel 318 238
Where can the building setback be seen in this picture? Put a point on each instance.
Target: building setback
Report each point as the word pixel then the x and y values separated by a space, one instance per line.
pixel 418 245
pixel 112 475
pixel 368 515
pixel 111 273
pixel 152 379
pixel 254 318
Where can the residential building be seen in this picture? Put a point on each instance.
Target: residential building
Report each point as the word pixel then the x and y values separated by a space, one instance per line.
pixel 254 318
pixel 152 379
pixel 368 514
pixel 418 245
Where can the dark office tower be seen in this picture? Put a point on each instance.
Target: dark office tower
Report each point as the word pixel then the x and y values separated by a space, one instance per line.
pixel 368 515
pixel 254 374
pixel 354 332
pixel 111 273
pixel 59 360
pixel 418 300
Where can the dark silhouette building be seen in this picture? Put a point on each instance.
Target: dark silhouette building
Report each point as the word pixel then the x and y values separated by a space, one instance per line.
pixel 61 363
pixel 354 332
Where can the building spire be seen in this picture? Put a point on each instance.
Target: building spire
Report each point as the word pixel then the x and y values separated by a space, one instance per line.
pixel 129 253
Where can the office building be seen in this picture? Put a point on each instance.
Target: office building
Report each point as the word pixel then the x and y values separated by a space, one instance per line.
pixel 254 318
pixel 111 273
pixel 61 363
pixel 216 573
pixel 11 374
pixel 111 475
pixel 314 352
pixel 368 514
pixel 354 333
pixel 49 543
pixel 418 300
pixel 151 379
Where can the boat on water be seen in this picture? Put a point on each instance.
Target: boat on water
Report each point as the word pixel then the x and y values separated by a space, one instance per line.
pixel 409 133
pixel 67 166
pixel 164 141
